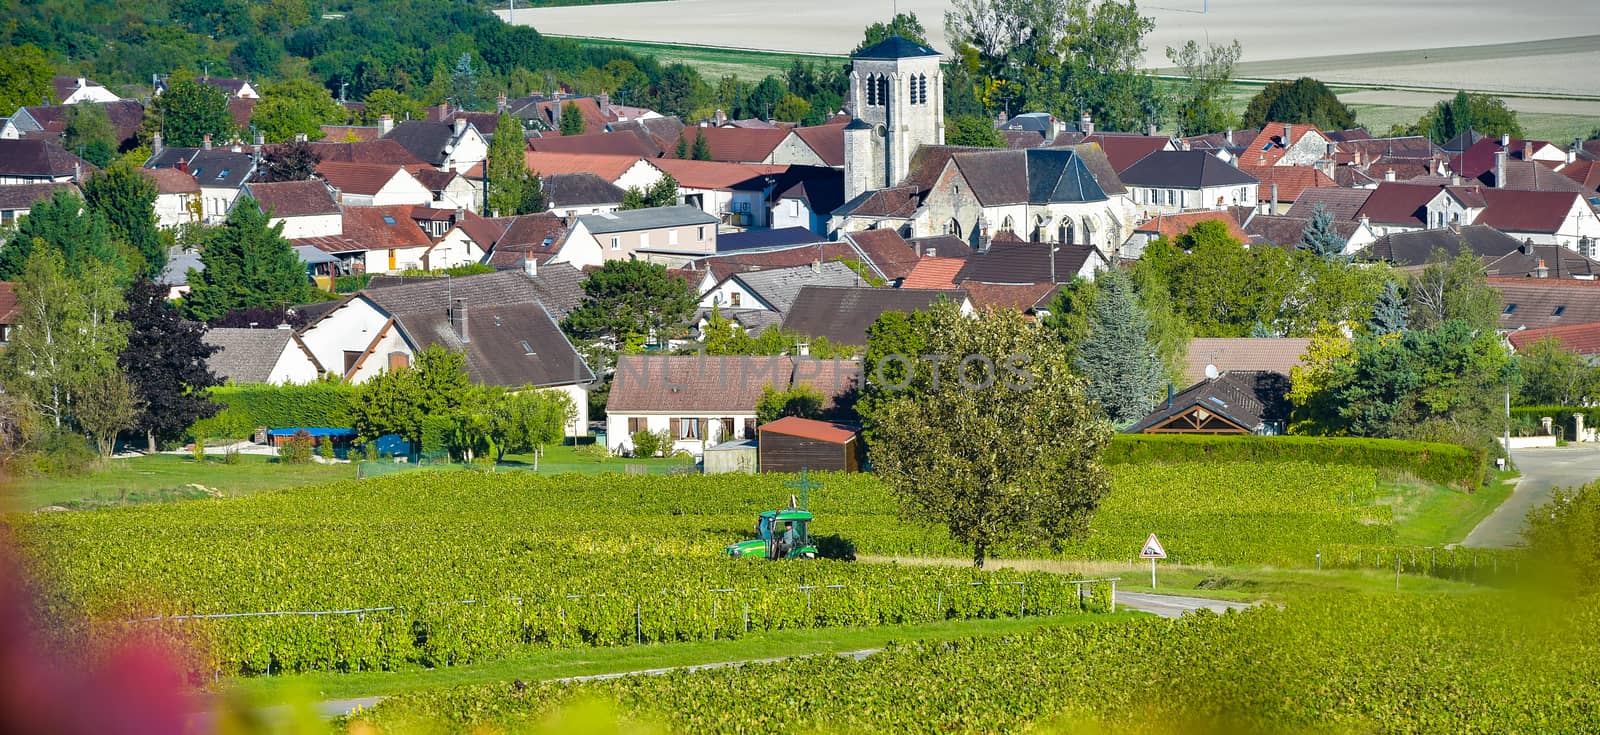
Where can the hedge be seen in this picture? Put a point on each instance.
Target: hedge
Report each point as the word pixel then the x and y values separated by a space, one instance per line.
pixel 1562 415
pixel 1446 464
pixel 249 407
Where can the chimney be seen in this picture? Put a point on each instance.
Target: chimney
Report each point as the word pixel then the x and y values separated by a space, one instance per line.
pixel 457 315
pixel 1229 136
pixel 1572 153
pixel 931 252
pixel 77 172
pixel 1183 145
pixel 385 124
pixel 500 102
pixel 719 117
pixel 1151 131
pixel 1086 124
pixel 605 101
pixel 555 114
pixel 205 142
pixel 1505 140
pixel 183 165
pixel 82 82
pixel 1274 209
pixel 1455 179
pixel 1052 128
pixel 1288 134
pixel 1366 221
pixel 1500 169
pixel 1541 271
pixel 461 125
pixel 1388 174
pixel 530 266
pixel 156 144
pixel 1527 150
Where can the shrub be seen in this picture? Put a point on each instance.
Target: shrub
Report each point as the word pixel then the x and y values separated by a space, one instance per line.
pixel 649 443
pixel 351 284
pixel 64 453
pixel 1530 416
pixel 248 407
pixel 297 449
pixel 325 448
pixel 231 456
pixel 1446 464
pixel 198 450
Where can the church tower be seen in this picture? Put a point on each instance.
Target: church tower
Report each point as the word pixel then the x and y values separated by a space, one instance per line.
pixel 897 102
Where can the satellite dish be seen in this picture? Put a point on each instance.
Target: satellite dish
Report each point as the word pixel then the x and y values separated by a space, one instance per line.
pixel 1211 372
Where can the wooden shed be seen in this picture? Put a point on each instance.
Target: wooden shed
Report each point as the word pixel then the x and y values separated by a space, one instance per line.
pixel 792 444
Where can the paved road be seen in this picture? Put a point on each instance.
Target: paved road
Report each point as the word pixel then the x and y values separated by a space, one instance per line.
pixel 1542 471
pixel 1172 606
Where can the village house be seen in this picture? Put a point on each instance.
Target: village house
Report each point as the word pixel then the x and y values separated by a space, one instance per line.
pixel 506 323
pixel 274 356
pixel 178 197
pixel 453 146
pixel 576 194
pixel 1209 356
pixel 1538 303
pixel 1502 254
pixel 304 208
pixel 667 235
pixel 842 314
pixel 51 120
pixel 34 161
pixel 624 172
pixel 72 90
pixel 701 401
pixel 17 200
pixel 449 189
pixel 1170 226
pixel 775 290
pixel 1168 182
pixel 1283 144
pixel 219 172
pixel 529 240
pixel 1235 402
pixel 373 184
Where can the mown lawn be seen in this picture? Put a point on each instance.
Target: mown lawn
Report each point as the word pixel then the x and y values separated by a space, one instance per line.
pixel 165 477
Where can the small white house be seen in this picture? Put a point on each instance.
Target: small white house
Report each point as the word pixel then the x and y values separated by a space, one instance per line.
pixel 373 184
pixel 305 208
pixel 267 355
pixel 1168 182
pixel 72 90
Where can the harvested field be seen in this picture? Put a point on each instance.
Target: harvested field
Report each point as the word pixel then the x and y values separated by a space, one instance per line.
pixel 1542 46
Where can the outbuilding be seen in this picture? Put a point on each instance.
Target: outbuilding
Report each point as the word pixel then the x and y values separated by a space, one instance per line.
pixel 792 444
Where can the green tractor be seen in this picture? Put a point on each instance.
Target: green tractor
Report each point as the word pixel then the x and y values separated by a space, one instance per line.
pixel 772 528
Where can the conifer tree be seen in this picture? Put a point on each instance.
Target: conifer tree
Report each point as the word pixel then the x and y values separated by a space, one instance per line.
pixel 1121 367
pixel 1319 236
pixel 247 265
pixel 1389 314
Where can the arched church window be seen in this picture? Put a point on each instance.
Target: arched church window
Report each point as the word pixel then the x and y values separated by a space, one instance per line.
pixel 922 88
pixel 1008 225
pixel 883 90
pixel 1064 234
pixel 952 227
pixel 872 90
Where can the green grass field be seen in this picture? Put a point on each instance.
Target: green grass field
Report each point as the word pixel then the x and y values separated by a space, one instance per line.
pixel 165 477
pixel 713 63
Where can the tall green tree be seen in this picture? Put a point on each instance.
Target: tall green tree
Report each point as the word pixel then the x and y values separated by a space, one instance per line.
pixel 400 401
pixel 572 119
pixel 1121 367
pixel 629 301
pixel 1552 375
pixel 1453 289
pixel 165 358
pixel 663 193
pixel 65 225
pixel 67 335
pixel 1465 111
pixel 296 107
pixel 701 150
pixel 397 106
pixel 127 199
pixel 905 25
pixel 1302 101
pixel 997 448
pixel 1320 237
pixel 464 88
pixel 1220 287
pixel 248 265
pixel 533 198
pixel 1201 101
pixel 1389 315
pixel 507 166
pixel 106 406
pixel 187 112
pixel 25 79
pixel 973 130
pixel 89 134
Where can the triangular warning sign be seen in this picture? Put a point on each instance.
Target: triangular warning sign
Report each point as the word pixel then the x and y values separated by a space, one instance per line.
pixel 1152 549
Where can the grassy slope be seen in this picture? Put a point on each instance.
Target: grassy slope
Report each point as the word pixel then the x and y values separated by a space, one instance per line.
pixel 1430 515
pixel 545 665
pixel 714 63
pixel 165 477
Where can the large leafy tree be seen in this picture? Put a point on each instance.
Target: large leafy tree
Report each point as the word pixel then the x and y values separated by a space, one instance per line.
pixel 126 199
pixel 663 193
pixel 629 301
pixel 295 107
pixel 1201 101
pixel 1453 289
pixel 399 401
pixel 1121 367
pixel 904 25
pixel 973 130
pixel 165 359
pixel 397 106
pixel 508 168
pixel 89 134
pixel 1465 111
pixel 998 442
pixel 529 420
pixel 187 112
pixel 106 406
pixel 247 265
pixel 65 225
pixel 1219 286
pixel 289 162
pixel 1304 100
pixel 25 79
pixel 1555 376
pixel 68 335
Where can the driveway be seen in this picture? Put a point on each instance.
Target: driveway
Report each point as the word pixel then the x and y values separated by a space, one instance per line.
pixel 1543 470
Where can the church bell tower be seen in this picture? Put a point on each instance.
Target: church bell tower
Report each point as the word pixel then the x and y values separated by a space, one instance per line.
pixel 897 104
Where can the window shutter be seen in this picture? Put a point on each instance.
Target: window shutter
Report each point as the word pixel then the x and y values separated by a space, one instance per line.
pixel 635 424
pixel 674 427
pixel 727 429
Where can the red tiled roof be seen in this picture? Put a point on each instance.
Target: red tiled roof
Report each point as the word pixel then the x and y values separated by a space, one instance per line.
pixel 1394 203
pixel 1583 339
pixel 1268 147
pixel 1125 149
pixel 893 256
pixel 826 140
pixel 434 214
pixel 934 272
pixel 377 151
pixel 1510 210
pixel 1291 181
pixel 1171 226
pixel 9 311
pixel 330 243
pixel 1021 297
pixel 1584 172
pixel 821 431
pixel 742 145
pixel 383 228
pixel 713 174
pixel 483 230
pixel 172 181
pixel 1275 354
pixel 358 178
pixel 294 198
pixel 608 167
pixel 626 143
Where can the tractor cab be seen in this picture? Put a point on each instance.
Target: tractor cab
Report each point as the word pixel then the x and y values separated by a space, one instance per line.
pixel 780 534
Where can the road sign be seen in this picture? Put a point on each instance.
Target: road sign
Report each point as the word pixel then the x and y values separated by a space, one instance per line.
pixel 1152 549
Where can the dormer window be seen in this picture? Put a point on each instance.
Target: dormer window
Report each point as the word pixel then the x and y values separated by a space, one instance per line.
pixel 223 174
pixel 1510 308
pixel 1559 310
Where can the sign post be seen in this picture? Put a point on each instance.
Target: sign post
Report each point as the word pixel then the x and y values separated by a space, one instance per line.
pixel 1152 550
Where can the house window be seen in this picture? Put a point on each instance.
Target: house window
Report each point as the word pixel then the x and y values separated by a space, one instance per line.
pixel 688 428
pixel 399 361
pixel 644 240
pixel 794 207
pixel 733 299
pixel 5 333
pixel 351 357
pixel 700 233
pixel 672 237
pixel 1510 308
pixel 1559 311
pixel 616 243
pixel 727 428
pixel 635 424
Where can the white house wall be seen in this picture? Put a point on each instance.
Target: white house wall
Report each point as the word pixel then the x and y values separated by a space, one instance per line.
pixel 216 201
pixel 402 189
pixel 620 440
pixel 352 326
pixel 454 249
pixel 723 295
pixel 294 367
pixel 792 151
pixel 173 210
pixel 318 225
